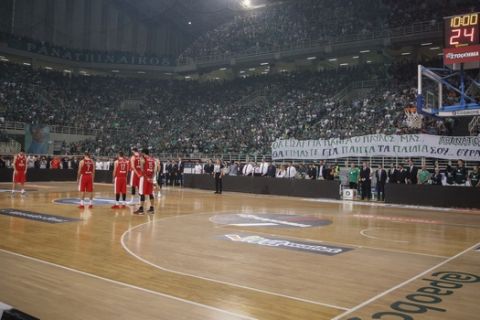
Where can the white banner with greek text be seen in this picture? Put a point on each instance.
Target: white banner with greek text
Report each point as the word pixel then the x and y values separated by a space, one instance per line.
pixel 409 145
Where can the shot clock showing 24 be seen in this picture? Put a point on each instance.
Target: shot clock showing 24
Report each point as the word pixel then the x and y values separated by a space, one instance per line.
pixel 462 40
pixel 462 30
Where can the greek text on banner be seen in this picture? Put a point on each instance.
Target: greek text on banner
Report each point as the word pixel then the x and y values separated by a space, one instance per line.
pixel 409 145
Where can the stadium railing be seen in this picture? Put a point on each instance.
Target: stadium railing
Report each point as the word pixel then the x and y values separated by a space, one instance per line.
pixel 415 28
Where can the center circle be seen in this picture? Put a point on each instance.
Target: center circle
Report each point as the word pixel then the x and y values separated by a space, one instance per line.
pixel 269 220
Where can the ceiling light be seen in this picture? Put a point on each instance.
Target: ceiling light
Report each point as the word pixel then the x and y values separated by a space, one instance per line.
pixel 434 48
pixel 116 71
pixel 48 68
pixel 27 64
pixel 356 57
pixel 332 59
pixel 311 58
pixel 223 69
pixel 365 51
pixel 426 44
pixel 405 53
pixel 344 64
pixel 264 63
pixel 141 72
pixel 67 71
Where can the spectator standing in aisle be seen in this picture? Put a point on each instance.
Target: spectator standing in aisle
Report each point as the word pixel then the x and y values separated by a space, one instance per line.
pixel 381 178
pixel 291 171
pixel 366 182
pixel 423 175
pixel 474 177
pixel 412 172
pixel 460 174
pixel 353 176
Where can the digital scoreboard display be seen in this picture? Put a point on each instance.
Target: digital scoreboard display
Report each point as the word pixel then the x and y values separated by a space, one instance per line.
pixel 462 30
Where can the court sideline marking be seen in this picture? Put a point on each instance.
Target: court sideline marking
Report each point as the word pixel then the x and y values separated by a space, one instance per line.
pixel 122 241
pixel 364 233
pixel 378 296
pixel 160 294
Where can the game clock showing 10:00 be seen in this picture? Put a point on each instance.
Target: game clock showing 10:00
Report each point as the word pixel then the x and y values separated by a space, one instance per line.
pixel 462 30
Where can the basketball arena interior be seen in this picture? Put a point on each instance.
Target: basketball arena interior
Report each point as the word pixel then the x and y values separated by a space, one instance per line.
pixel 239 159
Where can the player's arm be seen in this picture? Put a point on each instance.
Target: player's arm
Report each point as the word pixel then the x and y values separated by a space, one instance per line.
pixel 93 170
pixel 114 170
pixel 142 163
pixel 80 166
pixel 13 164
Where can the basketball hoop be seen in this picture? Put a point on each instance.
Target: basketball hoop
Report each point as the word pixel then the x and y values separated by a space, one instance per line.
pixel 413 119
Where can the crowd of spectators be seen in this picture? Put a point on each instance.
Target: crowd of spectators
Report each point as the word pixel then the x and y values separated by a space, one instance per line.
pixel 186 117
pixel 362 179
pixel 293 23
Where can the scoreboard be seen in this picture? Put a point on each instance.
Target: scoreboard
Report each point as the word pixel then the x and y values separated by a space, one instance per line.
pixel 462 40
pixel 463 30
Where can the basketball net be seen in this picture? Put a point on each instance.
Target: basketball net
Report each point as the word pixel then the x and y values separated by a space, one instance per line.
pixel 413 119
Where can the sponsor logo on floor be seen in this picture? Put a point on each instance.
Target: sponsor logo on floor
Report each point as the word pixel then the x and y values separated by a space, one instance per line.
pixel 437 287
pixel 41 217
pixel 269 220
pixel 282 243
pixel 96 201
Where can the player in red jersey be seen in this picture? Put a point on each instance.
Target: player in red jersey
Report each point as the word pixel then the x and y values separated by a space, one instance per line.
pixel 146 181
pixel 135 173
pixel 19 170
pixel 120 171
pixel 85 177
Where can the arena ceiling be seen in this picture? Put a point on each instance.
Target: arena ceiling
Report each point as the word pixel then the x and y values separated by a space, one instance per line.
pixel 194 17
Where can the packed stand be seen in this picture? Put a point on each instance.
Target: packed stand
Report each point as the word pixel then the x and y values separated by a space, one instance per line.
pixel 188 117
pixel 295 23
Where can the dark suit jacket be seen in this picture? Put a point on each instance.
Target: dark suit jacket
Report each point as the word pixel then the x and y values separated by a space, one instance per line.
pixel 401 176
pixel 412 174
pixel 271 171
pixel 312 173
pixel 381 176
pixel 365 174
pixel 392 175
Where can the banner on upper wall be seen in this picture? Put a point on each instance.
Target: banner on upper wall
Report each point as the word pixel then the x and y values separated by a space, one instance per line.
pixel 37 137
pixel 90 56
pixel 409 145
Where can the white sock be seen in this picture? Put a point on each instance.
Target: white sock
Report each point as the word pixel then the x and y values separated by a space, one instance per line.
pixel 81 202
pixel 23 191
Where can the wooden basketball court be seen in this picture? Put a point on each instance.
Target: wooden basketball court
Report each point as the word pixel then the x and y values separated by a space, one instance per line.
pixel 236 256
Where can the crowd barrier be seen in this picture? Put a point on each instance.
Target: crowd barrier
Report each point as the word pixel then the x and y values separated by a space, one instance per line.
pixel 37 175
pixel 434 196
pixel 420 195
pixel 259 185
